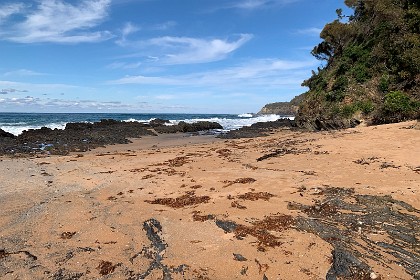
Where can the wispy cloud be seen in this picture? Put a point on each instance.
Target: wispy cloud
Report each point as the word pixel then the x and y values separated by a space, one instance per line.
pixel 164 26
pixel 257 4
pixel 7 10
pixel 39 99
pixel 128 29
pixel 56 21
pixel 22 72
pixel 124 65
pixel 314 31
pixel 40 88
pixel 11 90
pixel 267 73
pixel 68 105
pixel 186 50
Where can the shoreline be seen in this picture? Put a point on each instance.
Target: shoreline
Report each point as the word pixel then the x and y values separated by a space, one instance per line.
pixel 82 137
pixel 290 205
pixel 159 141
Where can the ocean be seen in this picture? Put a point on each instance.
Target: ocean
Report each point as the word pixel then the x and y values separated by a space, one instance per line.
pixel 15 123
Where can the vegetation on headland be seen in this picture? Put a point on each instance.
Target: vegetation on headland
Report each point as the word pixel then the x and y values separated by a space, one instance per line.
pixel 283 108
pixel 371 65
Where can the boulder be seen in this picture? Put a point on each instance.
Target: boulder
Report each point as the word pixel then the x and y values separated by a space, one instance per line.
pixel 158 122
pixel 318 124
pixel 78 126
pixel 6 134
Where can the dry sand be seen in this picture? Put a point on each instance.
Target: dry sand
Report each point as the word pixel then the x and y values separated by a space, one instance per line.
pixel 161 207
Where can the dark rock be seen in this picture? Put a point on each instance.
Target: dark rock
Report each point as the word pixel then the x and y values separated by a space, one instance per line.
pixel 79 126
pixel 76 137
pixel 158 122
pixel 155 252
pixel 189 127
pixel 6 134
pixel 62 274
pixel 342 214
pixel 259 129
pixel 227 226
pixel 80 137
pixel 346 266
pixel 106 122
pixel 239 258
pixel 198 126
pixel 318 124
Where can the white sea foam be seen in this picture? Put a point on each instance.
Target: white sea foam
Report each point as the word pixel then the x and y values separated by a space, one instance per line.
pixel 245 115
pixel 18 129
pixel 227 123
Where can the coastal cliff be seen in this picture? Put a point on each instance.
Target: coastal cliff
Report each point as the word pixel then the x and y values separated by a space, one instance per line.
pixel 279 108
pixel 283 108
pixel 371 68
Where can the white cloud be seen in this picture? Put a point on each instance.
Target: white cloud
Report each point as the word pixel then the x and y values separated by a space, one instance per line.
pixel 10 9
pixel 11 90
pixel 310 31
pixel 256 4
pixel 186 50
pixel 166 96
pixel 59 22
pixel 47 104
pixel 22 72
pixel 124 65
pixel 128 29
pixel 251 4
pixel 262 73
pixel 41 88
pixel 164 26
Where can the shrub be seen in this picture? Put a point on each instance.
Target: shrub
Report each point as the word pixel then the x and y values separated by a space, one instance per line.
pixel 384 83
pixel 348 110
pixel 361 73
pixel 335 96
pixel 340 84
pixel 398 102
pixel 397 107
pixel 366 107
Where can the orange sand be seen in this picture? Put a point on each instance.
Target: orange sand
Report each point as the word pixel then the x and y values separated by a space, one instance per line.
pixel 84 213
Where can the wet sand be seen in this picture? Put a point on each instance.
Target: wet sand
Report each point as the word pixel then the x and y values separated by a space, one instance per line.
pixel 179 207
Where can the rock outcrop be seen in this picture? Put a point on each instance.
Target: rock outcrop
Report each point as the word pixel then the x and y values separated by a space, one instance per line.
pixel 283 108
pixel 188 127
pixel 5 134
pixel 259 129
pixel 279 108
pixel 317 124
pixel 80 137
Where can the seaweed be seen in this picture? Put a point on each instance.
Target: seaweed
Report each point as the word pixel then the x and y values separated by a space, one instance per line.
pixel 187 199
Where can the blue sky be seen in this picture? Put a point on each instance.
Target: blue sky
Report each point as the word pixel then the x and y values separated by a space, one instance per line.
pixel 143 56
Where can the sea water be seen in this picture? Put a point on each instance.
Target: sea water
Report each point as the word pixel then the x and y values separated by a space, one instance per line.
pixel 15 123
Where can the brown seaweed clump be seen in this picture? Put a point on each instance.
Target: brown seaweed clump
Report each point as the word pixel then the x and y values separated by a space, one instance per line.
pixel 239 181
pixel 256 196
pixel 187 199
pixel 106 267
pixel 261 230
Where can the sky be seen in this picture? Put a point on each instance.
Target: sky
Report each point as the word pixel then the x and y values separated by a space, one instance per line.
pixel 157 56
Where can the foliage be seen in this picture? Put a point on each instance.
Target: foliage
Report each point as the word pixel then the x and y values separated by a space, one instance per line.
pixel 399 105
pixel 384 83
pixel 366 107
pixel 375 52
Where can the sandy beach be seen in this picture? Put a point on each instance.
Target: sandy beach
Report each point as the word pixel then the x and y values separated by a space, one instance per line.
pixel 293 205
